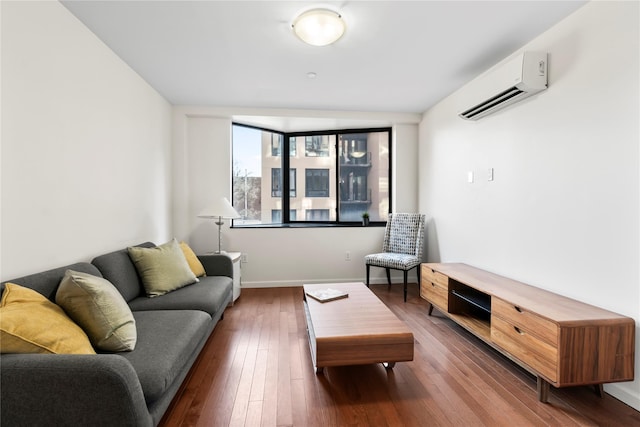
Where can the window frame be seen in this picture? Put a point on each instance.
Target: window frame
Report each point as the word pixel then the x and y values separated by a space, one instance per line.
pixel 286 152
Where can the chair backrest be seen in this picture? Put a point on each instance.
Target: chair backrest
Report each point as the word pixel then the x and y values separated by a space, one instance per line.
pixel 404 234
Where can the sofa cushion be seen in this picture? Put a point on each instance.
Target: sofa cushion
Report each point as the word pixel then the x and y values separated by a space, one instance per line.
pixel 192 259
pixel 167 339
pixel 162 269
pixel 30 323
pixel 99 309
pixel 118 269
pixel 211 294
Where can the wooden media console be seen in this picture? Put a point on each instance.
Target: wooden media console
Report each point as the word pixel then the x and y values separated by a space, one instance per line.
pixel 560 340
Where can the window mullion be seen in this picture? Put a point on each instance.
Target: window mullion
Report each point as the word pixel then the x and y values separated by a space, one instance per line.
pixel 286 193
pixel 337 177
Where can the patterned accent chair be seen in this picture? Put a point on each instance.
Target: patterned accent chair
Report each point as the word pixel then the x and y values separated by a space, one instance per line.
pixel 402 246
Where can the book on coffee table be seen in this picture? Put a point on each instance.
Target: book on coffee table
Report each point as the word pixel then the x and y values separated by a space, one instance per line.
pixel 325 295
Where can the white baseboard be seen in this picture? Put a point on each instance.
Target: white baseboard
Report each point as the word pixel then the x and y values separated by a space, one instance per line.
pixel 617 391
pixel 300 282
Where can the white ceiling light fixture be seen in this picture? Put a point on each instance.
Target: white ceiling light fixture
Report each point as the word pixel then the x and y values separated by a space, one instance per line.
pixel 319 27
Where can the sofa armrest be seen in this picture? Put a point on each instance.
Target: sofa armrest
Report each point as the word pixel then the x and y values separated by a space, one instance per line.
pixel 217 265
pixel 48 389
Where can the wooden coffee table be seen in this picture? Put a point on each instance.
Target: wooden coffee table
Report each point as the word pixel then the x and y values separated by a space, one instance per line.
pixel 356 330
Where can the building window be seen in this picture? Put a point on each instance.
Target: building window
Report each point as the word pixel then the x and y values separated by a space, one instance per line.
pixel 292 183
pixel 276 145
pixel 276 215
pixel 316 183
pixel 345 174
pixel 317 214
pixel 276 182
pixel 292 147
pixel 316 146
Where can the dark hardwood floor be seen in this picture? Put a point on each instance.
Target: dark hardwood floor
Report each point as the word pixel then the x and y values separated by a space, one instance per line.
pixel 256 370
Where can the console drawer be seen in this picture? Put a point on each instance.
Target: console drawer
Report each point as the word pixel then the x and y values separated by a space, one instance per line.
pixel 435 294
pixel 435 277
pixel 532 351
pixel 517 316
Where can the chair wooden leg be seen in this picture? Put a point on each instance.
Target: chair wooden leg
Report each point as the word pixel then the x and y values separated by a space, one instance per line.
pixel 368 266
pixel 405 284
pixel 388 277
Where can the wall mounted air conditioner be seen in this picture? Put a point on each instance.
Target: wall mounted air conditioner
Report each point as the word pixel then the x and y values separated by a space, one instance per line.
pixel 503 85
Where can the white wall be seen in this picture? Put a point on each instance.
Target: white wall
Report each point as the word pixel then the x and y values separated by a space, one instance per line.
pixel 85 145
pixel 563 212
pixel 276 257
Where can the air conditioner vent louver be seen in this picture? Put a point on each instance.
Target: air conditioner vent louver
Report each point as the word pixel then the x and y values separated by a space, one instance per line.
pixel 495 89
pixel 491 102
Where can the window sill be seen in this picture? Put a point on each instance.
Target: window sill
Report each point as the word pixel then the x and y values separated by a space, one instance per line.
pixel 313 225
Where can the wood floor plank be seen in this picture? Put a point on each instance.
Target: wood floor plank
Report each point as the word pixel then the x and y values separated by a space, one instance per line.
pixel 256 369
pixel 243 394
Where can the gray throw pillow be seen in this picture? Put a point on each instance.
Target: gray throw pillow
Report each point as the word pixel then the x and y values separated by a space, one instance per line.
pixel 99 309
pixel 162 268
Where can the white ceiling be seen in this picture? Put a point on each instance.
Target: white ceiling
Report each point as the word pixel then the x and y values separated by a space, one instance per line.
pixel 396 56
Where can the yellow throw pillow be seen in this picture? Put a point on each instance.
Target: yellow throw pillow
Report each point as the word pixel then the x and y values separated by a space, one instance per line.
pixel 30 323
pixel 99 309
pixel 162 268
pixel 192 259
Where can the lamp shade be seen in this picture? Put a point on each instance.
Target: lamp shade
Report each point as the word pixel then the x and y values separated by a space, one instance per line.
pixel 221 208
pixel 319 27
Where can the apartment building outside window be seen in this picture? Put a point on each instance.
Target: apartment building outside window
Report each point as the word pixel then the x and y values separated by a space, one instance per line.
pixel 340 175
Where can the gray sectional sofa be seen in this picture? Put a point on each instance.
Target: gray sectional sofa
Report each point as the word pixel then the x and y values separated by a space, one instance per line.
pixel 117 389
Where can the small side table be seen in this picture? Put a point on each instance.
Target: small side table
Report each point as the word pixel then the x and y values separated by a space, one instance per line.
pixel 236 257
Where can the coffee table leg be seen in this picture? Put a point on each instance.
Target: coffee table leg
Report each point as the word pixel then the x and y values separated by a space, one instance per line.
pixel 389 365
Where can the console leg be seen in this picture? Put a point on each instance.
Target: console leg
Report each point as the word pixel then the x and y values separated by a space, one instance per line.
pixel 599 390
pixel 319 370
pixel 543 390
pixel 389 365
pixel 430 309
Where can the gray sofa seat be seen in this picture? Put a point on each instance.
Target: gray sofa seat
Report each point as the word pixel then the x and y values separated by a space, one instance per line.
pixel 167 339
pixel 206 295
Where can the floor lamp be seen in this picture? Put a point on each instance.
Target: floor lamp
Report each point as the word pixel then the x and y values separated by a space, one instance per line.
pixel 218 211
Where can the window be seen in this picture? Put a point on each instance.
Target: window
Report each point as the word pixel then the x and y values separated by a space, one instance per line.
pixel 276 182
pixel 292 147
pixel 317 183
pixel 343 174
pixel 317 214
pixel 316 146
pixel 276 215
pixel 276 145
